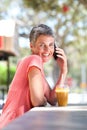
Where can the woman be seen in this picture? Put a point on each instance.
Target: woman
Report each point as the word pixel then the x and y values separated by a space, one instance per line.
pixel 29 87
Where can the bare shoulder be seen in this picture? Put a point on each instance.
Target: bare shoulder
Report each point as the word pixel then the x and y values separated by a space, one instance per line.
pixel 34 72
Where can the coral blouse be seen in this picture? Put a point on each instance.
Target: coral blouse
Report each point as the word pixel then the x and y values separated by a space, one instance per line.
pixel 18 100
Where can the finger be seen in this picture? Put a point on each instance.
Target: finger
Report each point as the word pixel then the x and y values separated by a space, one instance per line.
pixel 60 51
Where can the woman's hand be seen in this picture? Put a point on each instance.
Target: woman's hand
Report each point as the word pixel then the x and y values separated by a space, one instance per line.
pixel 61 60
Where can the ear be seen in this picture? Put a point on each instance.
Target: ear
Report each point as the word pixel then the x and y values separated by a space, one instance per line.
pixel 31 46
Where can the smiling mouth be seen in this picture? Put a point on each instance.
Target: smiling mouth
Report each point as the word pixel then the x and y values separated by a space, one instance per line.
pixel 45 55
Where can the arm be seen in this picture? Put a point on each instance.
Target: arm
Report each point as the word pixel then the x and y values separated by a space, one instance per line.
pixel 62 63
pixel 36 87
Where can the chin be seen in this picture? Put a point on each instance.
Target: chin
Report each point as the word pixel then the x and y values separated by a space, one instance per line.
pixel 46 59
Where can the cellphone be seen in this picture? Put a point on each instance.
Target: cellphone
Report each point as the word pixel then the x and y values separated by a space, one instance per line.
pixel 55 54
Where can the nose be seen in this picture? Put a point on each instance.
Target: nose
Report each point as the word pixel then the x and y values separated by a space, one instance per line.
pixel 46 47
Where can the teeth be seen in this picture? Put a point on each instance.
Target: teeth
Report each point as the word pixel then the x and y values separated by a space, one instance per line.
pixel 46 54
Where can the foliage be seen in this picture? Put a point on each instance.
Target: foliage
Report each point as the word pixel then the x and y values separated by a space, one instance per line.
pixel 67 18
pixel 3 73
pixel 46 5
pixel 69 25
pixel 42 5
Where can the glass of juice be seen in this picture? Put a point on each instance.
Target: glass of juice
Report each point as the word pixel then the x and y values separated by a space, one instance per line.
pixel 62 95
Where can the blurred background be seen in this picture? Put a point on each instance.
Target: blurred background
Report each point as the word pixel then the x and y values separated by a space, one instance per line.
pixel 67 18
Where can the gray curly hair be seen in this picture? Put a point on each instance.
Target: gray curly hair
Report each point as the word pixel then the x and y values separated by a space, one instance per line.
pixel 38 30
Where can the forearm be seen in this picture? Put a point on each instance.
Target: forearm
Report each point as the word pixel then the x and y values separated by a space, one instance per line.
pixel 61 79
pixel 62 63
pixel 42 101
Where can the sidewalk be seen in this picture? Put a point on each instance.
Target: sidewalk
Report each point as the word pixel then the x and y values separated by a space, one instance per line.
pixel 75 98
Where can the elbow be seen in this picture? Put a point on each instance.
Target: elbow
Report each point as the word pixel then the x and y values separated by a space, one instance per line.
pixel 36 104
pixel 53 102
pixel 39 102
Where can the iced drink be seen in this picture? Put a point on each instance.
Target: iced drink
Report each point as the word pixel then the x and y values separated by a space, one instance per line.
pixel 62 96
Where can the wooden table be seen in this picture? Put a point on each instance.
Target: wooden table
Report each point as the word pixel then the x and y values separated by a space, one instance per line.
pixel 51 118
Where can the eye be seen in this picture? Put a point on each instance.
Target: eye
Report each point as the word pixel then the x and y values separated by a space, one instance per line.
pixel 51 44
pixel 41 45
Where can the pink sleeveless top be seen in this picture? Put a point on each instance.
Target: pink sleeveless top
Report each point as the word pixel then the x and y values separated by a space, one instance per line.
pixel 18 99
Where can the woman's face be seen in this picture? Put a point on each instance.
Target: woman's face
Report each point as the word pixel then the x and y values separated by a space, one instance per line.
pixel 44 47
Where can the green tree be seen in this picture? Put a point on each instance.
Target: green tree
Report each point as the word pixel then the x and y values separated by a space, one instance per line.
pixel 68 19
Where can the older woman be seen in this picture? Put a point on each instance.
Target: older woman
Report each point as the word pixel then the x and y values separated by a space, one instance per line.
pixel 29 87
